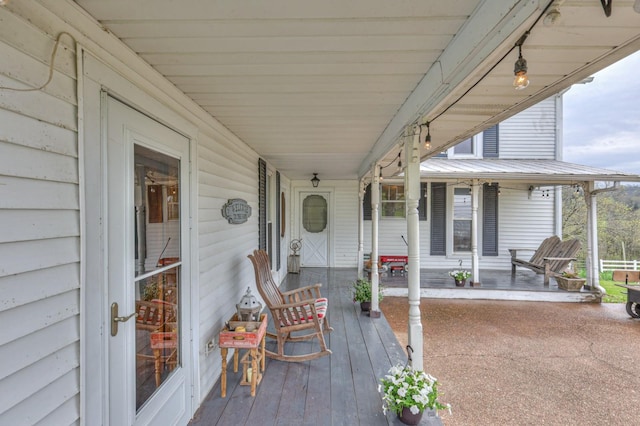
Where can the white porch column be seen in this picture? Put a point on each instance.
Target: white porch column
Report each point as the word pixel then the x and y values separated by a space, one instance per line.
pixel 412 197
pixel 375 202
pixel 593 275
pixel 360 259
pixel 475 266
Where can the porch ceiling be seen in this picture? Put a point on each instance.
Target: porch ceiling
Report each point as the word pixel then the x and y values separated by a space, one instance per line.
pixel 329 86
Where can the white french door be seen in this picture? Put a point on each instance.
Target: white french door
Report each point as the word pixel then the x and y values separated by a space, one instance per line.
pixel 149 378
pixel 314 229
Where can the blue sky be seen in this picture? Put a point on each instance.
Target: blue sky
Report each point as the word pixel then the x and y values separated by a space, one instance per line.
pixel 602 119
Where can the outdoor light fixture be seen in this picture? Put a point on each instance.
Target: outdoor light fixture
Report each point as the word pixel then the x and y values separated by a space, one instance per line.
pixel 427 139
pixel 314 180
pixel 521 81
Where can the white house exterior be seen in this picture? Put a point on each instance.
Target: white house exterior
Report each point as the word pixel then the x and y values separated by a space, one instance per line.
pixel 525 218
pixel 108 134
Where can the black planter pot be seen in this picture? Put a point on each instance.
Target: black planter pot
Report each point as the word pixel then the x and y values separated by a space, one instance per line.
pixel 365 306
pixel 460 283
pixel 408 418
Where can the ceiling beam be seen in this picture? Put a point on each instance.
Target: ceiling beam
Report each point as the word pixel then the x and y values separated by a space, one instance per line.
pixel 483 37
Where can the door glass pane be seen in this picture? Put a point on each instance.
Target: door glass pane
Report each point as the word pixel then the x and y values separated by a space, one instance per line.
pixel 461 219
pixel 314 213
pixel 157 260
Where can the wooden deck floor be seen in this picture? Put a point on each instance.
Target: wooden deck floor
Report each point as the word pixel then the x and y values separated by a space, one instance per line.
pixel 341 389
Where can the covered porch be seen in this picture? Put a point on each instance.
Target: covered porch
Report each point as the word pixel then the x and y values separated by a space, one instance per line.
pixel 341 389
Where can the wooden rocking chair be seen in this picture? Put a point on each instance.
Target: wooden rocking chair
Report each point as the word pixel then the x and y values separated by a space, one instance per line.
pixel 299 310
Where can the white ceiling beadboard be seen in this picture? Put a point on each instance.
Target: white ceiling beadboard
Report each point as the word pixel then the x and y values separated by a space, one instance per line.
pixel 329 86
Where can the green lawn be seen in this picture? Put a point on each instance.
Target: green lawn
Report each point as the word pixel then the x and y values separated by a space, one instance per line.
pixel 615 294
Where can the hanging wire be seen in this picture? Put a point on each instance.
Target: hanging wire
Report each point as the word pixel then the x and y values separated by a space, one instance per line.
pixel 51 67
pixel 517 44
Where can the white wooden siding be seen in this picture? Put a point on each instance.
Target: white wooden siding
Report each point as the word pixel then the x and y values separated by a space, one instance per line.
pixel 226 169
pixel 522 222
pixel 39 230
pixel 531 133
pixel 345 240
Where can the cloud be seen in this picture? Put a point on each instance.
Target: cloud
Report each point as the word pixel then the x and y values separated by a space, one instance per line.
pixel 601 120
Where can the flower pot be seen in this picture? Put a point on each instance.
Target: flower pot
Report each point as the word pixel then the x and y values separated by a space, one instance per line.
pixel 365 306
pixel 570 284
pixel 408 418
pixel 460 283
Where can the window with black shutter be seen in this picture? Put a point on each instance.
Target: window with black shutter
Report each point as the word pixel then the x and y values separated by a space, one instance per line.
pixel 262 204
pixel 422 204
pixel 438 219
pixel 490 147
pixel 490 220
pixel 366 203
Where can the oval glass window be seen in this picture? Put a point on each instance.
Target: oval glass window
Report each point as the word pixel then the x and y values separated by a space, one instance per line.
pixel 314 213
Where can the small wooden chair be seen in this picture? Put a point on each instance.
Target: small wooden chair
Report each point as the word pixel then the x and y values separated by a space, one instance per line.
pixel 303 309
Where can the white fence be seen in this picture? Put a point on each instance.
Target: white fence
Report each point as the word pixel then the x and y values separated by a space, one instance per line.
pixel 610 265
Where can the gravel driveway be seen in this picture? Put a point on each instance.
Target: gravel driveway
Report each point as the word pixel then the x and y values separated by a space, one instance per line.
pixel 529 363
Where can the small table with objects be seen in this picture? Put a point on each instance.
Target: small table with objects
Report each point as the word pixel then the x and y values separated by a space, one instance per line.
pixel 249 335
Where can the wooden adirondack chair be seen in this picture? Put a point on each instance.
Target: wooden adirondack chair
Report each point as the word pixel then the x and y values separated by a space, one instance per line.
pixel 300 310
pixel 551 258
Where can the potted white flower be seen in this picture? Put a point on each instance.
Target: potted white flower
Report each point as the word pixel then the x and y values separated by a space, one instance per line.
pixel 408 393
pixel 460 276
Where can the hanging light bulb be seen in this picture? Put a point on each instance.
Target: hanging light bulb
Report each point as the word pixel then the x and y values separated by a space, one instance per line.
pixel 521 81
pixel 427 139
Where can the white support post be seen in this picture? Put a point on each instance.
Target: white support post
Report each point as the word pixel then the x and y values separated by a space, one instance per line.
pixel 412 197
pixel 361 229
pixel 593 277
pixel 375 202
pixel 475 268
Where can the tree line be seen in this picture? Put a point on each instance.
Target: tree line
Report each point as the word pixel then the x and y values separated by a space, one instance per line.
pixel 618 221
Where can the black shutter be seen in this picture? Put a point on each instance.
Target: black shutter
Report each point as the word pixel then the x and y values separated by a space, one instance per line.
pixel 490 220
pixel 262 204
pixel 278 215
pixel 422 203
pixel 366 203
pixel 490 142
pixel 438 219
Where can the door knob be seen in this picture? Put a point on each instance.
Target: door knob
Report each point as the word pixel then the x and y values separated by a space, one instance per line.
pixel 115 319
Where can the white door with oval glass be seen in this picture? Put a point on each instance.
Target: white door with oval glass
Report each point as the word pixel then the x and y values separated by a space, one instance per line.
pixel 314 229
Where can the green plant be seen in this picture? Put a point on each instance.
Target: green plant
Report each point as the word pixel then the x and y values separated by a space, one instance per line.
pixel 405 387
pixel 362 290
pixel 569 274
pixel 150 290
pixel 460 275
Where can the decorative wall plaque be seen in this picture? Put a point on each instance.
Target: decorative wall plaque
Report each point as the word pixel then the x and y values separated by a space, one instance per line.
pixel 236 211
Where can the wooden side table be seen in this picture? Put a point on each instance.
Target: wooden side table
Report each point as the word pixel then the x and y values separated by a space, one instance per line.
pixel 254 342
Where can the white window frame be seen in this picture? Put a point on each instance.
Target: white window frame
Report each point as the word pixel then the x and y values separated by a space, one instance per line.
pixel 476 143
pixel 450 219
pixel 383 202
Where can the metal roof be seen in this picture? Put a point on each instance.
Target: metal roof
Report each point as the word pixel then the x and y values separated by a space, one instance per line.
pixel 547 171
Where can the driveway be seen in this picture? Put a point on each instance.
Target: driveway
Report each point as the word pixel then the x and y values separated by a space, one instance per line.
pixel 529 363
